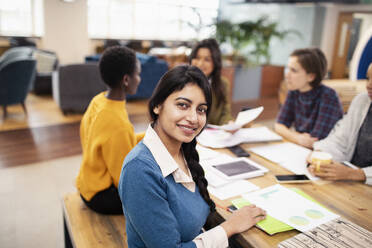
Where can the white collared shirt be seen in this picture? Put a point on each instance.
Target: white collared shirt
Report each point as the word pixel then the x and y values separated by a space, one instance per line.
pixel 214 238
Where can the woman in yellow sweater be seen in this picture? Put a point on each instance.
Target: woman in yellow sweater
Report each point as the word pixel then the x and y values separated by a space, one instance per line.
pixel 207 56
pixel 106 133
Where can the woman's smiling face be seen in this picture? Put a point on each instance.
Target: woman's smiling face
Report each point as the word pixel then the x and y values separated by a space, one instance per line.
pixel 181 116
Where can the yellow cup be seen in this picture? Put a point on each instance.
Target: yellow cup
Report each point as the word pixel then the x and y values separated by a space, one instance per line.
pixel 320 158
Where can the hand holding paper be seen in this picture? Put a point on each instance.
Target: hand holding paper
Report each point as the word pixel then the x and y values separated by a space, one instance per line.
pixel 244 117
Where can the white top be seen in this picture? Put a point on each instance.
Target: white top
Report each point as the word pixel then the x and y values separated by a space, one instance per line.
pixel 342 140
pixel 214 238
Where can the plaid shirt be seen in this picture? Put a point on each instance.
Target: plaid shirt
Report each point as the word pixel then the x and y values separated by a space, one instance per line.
pixel 314 112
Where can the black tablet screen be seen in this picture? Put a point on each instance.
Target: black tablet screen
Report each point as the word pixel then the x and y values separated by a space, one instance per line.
pixel 235 168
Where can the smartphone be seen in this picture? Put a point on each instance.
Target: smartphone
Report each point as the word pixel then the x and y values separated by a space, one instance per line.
pixel 238 151
pixel 292 178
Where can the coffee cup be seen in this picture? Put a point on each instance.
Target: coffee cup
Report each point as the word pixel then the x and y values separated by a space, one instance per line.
pixel 319 158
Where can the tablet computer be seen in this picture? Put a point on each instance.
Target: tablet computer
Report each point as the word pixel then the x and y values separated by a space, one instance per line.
pixel 239 169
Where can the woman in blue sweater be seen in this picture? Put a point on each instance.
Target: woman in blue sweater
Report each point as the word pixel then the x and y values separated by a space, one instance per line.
pixel 162 185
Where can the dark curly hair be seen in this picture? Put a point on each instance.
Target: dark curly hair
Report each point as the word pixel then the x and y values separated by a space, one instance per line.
pixel 172 81
pixel 116 62
pixel 218 87
pixel 313 61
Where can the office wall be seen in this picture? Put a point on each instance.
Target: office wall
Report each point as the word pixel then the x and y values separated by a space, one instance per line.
pixel 288 16
pixel 66 30
pixel 316 22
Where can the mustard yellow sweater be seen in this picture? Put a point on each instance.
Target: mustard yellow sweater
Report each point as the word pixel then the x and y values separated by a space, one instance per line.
pixel 107 136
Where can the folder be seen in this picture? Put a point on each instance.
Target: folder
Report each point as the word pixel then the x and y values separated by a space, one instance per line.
pixel 271 225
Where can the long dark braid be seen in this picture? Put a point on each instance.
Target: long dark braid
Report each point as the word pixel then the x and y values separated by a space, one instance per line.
pixel 197 172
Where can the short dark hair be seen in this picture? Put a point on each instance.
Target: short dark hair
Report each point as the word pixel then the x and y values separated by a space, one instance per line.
pixel 116 62
pixel 313 61
pixel 217 86
pixel 175 80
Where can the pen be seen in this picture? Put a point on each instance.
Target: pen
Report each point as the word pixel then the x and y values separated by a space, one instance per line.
pixel 224 208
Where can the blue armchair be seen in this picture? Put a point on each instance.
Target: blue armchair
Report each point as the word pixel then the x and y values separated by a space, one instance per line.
pixel 16 52
pixel 152 69
pixel 16 76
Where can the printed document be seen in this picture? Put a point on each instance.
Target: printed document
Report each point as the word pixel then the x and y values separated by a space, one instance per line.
pixel 288 155
pixel 216 138
pixel 290 207
pixel 244 117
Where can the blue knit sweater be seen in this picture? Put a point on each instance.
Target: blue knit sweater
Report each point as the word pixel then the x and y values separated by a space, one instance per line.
pixel 159 212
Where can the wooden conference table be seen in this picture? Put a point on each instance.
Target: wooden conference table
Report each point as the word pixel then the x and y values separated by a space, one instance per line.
pixel 351 200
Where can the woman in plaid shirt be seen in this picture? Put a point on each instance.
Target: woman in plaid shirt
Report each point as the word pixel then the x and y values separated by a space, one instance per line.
pixel 310 107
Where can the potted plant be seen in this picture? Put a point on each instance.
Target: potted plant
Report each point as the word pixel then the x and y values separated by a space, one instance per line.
pixel 250 40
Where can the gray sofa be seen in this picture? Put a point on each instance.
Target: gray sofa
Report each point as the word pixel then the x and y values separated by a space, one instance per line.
pixel 75 85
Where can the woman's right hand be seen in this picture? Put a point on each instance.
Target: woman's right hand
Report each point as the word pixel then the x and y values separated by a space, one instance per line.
pixel 305 139
pixel 243 219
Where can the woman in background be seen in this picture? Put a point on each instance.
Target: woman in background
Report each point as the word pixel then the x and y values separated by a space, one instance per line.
pixel 350 141
pixel 311 107
pixel 207 56
pixel 162 185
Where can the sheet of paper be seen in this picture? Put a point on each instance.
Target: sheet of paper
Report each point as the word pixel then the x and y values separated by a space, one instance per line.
pixel 206 153
pixel 288 155
pixel 214 179
pixel 271 225
pixel 258 134
pixel 290 207
pixel 216 138
pixel 244 117
pixel 232 189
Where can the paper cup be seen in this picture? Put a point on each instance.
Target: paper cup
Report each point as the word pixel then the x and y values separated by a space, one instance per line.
pixel 320 158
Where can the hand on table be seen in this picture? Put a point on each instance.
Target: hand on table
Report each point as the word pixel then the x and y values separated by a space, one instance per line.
pixel 305 139
pixel 243 219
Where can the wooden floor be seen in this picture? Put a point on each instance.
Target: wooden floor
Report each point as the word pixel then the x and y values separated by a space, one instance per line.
pixel 26 146
pixel 49 135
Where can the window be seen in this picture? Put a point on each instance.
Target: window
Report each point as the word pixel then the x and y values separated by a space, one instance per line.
pixel 21 18
pixel 151 19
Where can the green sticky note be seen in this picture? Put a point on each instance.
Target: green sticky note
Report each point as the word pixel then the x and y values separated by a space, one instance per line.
pixel 270 224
